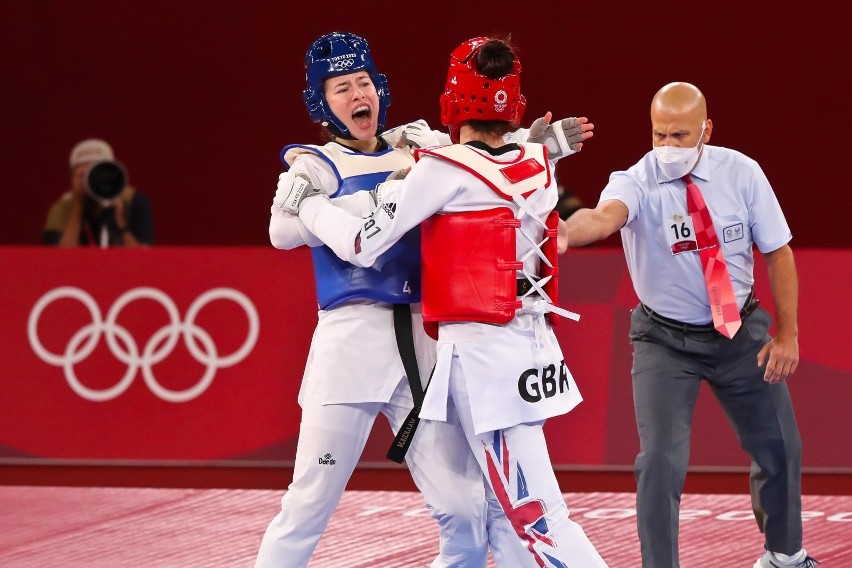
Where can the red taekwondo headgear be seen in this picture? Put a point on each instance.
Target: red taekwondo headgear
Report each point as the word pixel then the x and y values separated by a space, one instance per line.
pixel 470 95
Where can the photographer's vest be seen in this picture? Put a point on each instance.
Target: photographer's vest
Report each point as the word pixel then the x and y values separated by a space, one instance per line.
pixel 395 276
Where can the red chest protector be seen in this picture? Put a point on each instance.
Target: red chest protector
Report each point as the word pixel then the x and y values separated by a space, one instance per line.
pixel 469 258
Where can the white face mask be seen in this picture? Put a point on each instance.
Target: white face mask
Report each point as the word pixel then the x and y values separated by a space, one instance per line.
pixel 677 162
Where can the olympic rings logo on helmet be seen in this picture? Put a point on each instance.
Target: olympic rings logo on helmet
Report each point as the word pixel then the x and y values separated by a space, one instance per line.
pixel 500 98
pixel 159 346
pixel 333 54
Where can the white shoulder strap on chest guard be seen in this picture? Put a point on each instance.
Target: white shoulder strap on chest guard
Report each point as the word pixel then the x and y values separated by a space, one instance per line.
pixel 348 163
pixel 523 175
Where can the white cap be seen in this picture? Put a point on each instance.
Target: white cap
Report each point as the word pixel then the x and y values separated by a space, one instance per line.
pixel 91 150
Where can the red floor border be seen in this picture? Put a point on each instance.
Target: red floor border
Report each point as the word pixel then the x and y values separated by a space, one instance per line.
pixel 365 479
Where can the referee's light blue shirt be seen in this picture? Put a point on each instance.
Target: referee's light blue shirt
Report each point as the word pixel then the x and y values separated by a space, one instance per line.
pixel 744 209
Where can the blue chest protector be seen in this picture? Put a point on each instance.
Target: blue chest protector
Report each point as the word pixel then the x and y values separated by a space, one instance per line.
pixel 395 276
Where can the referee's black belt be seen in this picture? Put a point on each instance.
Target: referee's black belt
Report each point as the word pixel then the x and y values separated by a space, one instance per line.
pixel 749 306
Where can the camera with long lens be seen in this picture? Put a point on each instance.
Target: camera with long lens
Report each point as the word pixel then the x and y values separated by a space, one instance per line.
pixel 104 181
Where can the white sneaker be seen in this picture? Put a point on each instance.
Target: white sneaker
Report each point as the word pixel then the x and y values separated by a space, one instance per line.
pixel 768 560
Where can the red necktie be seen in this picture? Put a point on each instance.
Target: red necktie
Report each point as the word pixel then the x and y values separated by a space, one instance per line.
pixel 720 291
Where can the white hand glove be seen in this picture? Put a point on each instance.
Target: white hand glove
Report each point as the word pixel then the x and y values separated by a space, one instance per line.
pixel 292 190
pixel 418 135
pixel 561 137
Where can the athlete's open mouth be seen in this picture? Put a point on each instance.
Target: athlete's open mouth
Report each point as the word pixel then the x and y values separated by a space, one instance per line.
pixel 362 115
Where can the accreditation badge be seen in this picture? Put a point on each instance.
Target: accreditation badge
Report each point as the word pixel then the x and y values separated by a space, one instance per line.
pixel 680 233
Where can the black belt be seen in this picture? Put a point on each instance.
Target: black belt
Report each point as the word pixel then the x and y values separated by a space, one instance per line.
pixel 524 286
pixel 749 306
pixel 405 343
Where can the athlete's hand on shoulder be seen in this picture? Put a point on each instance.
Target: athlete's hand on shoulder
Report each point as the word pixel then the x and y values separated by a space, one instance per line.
pixel 417 134
pixel 563 137
pixel 383 188
pixel 293 190
pixel 398 174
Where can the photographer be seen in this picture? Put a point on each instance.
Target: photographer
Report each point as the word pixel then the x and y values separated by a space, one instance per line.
pixel 101 208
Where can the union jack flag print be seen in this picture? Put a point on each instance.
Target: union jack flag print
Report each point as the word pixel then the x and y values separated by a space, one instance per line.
pixel 525 514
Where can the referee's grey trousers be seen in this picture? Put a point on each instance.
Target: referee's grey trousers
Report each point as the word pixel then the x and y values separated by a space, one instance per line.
pixel 668 366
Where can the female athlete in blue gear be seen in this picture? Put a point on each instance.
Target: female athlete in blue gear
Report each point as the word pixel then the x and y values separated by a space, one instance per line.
pixel 485 209
pixel 369 353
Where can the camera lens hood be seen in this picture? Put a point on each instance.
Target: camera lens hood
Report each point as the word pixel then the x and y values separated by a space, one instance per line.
pixel 105 180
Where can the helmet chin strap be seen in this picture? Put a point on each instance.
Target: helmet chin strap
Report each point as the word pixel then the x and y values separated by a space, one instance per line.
pixel 335 131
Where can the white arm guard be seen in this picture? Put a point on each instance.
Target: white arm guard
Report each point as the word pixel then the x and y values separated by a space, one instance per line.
pixel 286 231
pixel 360 203
pixel 334 226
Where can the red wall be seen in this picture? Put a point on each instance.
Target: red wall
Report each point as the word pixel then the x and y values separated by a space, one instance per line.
pixel 197 97
pixel 69 395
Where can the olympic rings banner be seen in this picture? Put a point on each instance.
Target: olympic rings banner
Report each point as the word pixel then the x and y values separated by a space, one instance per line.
pixel 160 354
pixel 170 355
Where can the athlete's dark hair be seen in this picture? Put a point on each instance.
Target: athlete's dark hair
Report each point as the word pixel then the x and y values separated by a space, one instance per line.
pixel 495 58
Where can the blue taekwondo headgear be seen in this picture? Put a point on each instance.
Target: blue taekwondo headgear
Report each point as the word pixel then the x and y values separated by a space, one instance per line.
pixel 333 54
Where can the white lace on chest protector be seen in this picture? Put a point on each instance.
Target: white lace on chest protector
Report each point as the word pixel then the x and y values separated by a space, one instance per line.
pixel 515 180
pixel 537 284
